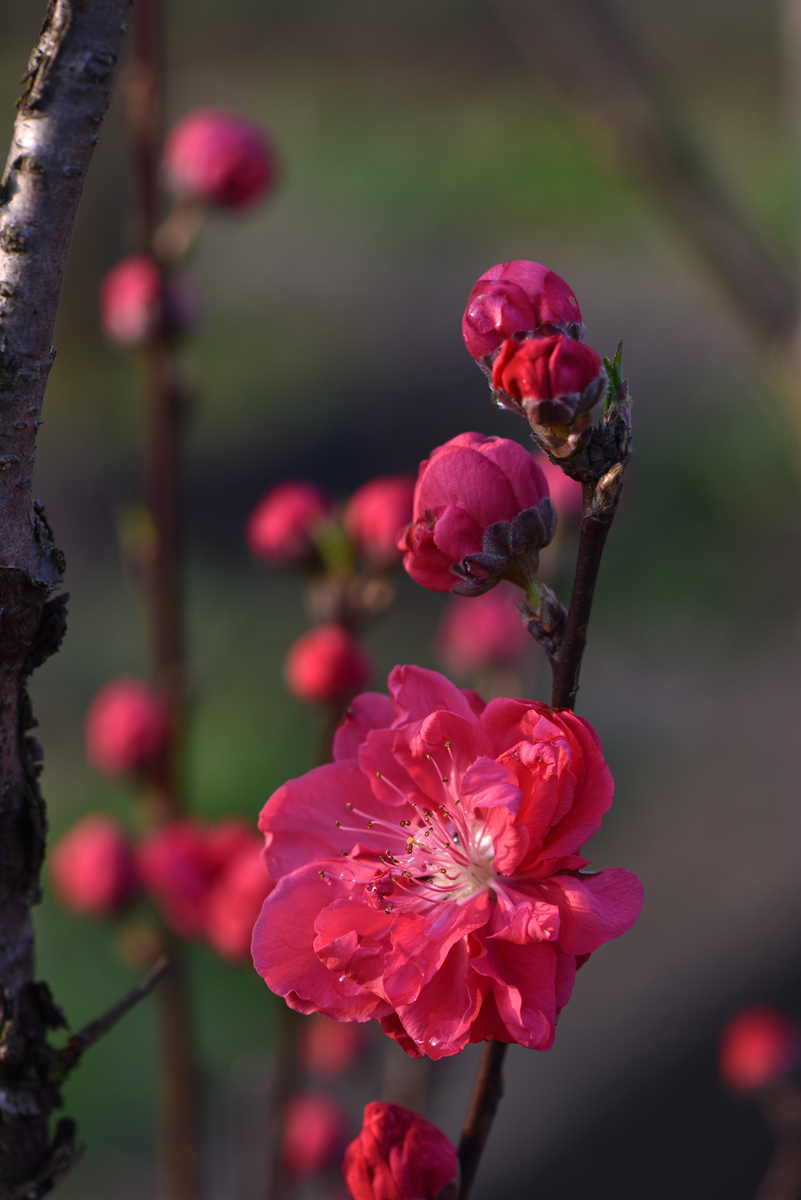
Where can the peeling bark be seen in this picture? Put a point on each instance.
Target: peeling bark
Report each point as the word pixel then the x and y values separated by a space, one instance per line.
pixel 69 80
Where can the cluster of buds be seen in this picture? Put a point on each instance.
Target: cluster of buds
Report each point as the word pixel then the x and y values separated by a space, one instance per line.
pixel 523 327
pixel 347 553
pixel 206 879
pixel 211 159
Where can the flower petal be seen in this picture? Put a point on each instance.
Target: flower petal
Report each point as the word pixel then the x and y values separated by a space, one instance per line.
pixel 370 710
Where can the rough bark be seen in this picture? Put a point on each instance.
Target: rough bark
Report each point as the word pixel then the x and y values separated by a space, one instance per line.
pixel 68 83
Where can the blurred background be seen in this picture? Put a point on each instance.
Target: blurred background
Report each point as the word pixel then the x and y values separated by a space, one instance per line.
pixel 420 144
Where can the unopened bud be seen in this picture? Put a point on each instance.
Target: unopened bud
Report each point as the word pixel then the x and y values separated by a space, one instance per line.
pixel 554 382
pixel 281 527
pixel 326 665
pixel 93 867
pixel 218 157
pixel 127 728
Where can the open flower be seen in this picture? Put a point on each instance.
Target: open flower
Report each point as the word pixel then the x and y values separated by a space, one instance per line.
pixel 481 513
pixel 398 1155
pixel 430 877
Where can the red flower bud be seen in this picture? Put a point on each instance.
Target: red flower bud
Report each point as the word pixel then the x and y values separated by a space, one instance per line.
pixel 127 727
pixel 517 297
pixel 315 1129
pixel 377 513
pixel 326 664
pixel 466 488
pixel 234 903
pixel 281 526
pixel 183 863
pixel 135 304
pixel 757 1046
pixel 93 867
pixel 328 1048
pixel 218 157
pixel 549 380
pixel 483 632
pixel 398 1156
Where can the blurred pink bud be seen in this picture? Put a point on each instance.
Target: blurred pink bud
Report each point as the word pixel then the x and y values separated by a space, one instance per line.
pixel 315 1129
pixel 135 304
pixel 468 487
pixel 328 1048
pixel 234 902
pixel 398 1156
pixel 282 524
pixel 182 862
pixel 326 664
pixel 127 728
pixel 218 157
pixel 483 632
pixel 757 1046
pixel 517 297
pixel 93 867
pixel 549 380
pixel 565 492
pixel 377 514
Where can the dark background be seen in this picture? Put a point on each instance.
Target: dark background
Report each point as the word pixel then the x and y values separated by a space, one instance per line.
pixel 418 148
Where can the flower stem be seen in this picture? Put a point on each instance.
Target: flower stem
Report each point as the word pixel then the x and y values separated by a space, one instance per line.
pixel 163 408
pixel 566 663
pixel 487 1092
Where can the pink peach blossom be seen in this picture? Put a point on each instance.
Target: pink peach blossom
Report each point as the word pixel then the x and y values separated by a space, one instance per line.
pixel 430 876
pixel 517 297
pixel 93 867
pixel 234 901
pixel 398 1155
pixel 467 486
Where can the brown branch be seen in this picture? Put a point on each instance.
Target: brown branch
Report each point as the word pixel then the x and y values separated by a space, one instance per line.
pixel 487 1092
pixel 69 81
pixel 781 1105
pixel 80 1042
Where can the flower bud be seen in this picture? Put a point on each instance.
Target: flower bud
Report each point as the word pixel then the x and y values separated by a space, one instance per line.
pixel 281 526
pixel 398 1156
pixel 136 305
pixel 327 1048
pixel 315 1129
pixel 234 903
pixel 484 632
pixel 127 728
pixel 553 381
pixel 756 1047
pixel 93 867
pixel 376 514
pixel 518 297
pixel 481 513
pixel 220 158
pixel 183 863
pixel 327 664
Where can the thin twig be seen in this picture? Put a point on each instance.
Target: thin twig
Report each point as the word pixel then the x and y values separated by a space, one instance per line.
pixel 781 1105
pixel 566 663
pixel 487 1092
pixel 91 1033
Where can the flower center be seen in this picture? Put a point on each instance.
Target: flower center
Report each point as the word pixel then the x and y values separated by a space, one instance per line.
pixel 443 854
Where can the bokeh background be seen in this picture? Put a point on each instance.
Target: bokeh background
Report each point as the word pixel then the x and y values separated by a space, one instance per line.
pixel 419 145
